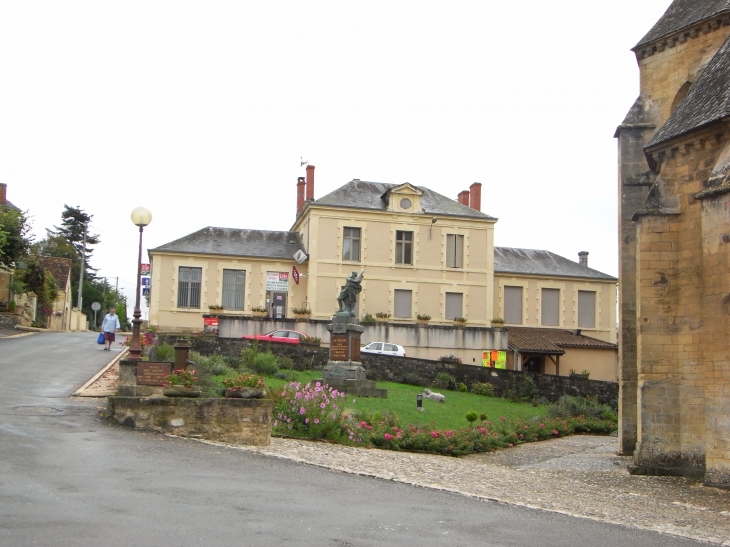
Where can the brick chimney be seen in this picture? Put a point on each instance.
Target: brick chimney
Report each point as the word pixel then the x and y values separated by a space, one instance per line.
pixel 300 195
pixel 3 193
pixel 310 182
pixel 583 258
pixel 464 197
pixel 475 196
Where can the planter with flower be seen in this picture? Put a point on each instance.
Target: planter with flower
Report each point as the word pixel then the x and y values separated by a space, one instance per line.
pixel 497 322
pixel 215 309
pixel 258 311
pixel 368 319
pixel 181 383
pixel 459 321
pixel 382 317
pixel 423 319
pixel 244 386
pixel 301 313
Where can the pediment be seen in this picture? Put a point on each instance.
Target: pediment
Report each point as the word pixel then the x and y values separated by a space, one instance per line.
pixel 404 198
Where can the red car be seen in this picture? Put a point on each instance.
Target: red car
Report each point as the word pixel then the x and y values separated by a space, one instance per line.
pixel 286 336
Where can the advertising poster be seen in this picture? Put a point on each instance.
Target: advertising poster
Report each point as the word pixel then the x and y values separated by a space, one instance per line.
pixel 494 358
pixel 277 281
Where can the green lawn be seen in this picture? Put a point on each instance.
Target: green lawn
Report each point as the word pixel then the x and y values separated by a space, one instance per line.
pixel 402 402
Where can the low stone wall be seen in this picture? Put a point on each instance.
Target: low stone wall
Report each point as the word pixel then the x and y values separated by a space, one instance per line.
pixel 393 369
pixel 234 421
pixel 9 320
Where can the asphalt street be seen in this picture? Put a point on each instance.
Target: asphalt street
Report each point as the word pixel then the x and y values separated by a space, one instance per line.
pixel 70 478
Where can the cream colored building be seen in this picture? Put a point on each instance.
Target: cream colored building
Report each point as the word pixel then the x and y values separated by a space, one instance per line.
pixel 422 254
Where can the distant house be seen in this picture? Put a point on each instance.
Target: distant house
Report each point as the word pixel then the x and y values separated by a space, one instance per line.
pixel 60 268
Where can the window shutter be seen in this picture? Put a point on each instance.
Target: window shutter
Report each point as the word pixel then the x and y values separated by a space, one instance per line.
pixel 454 305
pixel 233 288
pixel 550 307
pixel 513 305
pixel 402 301
pixel 459 257
pixel 587 309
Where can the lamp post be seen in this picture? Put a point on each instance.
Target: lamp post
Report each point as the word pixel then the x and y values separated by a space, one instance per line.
pixel 140 217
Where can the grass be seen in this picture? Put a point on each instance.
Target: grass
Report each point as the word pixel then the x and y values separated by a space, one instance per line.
pixel 402 402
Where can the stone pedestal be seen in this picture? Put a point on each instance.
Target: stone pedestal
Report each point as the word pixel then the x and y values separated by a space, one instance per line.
pixel 343 371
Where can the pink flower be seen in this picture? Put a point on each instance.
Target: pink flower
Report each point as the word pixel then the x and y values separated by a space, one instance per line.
pixel 435 434
pixel 388 436
pixel 555 432
pixel 501 418
pixel 526 427
pixel 306 421
pixel 316 420
pixel 542 425
pixel 276 422
pixel 302 410
pixel 522 436
pixel 363 424
pixel 511 445
pixel 321 405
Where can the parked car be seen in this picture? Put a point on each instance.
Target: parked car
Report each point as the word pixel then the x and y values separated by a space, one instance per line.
pixel 383 348
pixel 286 336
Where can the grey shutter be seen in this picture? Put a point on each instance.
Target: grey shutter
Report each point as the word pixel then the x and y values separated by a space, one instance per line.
pixel 513 305
pixel 454 305
pixel 550 307
pixel 402 300
pixel 587 309
pixel 454 251
pixel 459 257
pixel 233 283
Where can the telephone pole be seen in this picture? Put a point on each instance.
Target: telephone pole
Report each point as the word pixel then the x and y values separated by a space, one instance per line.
pixel 81 271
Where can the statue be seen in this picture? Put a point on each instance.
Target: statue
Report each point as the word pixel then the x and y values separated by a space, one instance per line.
pixel 348 295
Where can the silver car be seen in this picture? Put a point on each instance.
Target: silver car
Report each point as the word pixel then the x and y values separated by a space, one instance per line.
pixel 384 348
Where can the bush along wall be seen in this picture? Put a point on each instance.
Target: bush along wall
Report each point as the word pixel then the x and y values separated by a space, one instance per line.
pixel 384 368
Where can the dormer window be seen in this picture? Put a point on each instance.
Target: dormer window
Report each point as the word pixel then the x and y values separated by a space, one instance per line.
pixel 403 198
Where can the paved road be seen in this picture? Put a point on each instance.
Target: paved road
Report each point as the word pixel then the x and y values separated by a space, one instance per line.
pixel 67 477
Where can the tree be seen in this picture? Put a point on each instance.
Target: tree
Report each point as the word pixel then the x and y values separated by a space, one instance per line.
pixel 73 222
pixel 15 238
pixel 41 282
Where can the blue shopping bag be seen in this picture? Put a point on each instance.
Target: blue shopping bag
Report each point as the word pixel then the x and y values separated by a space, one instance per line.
pixel 100 340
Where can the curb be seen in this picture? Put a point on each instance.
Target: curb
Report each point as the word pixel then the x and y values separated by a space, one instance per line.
pixel 80 392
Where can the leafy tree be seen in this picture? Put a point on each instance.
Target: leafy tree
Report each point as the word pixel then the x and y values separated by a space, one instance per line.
pixel 15 238
pixel 98 290
pixel 41 282
pixel 73 222
pixel 55 245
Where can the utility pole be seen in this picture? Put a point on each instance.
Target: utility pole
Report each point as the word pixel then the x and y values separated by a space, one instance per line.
pixel 81 271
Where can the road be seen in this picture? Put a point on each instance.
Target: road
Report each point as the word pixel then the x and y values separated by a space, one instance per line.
pixel 70 478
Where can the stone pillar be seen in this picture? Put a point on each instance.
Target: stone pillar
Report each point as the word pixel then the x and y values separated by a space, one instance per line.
pixel 344 371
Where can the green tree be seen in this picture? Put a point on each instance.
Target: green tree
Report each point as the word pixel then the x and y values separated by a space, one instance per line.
pixel 40 282
pixel 73 222
pixel 15 238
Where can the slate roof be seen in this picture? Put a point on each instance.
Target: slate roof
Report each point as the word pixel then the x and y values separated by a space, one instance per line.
pixel 683 14
pixel 537 262
pixel 59 267
pixel 236 242
pixel 552 341
pixel 707 101
pixel 360 194
pixel 9 205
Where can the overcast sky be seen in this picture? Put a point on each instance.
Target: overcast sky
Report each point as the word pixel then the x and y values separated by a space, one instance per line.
pixel 200 111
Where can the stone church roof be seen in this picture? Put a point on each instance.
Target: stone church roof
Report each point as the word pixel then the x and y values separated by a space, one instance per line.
pixel 707 101
pixel 360 194
pixel 538 262
pixel 236 242
pixel 681 15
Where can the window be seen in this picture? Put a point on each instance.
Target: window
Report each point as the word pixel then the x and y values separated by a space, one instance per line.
pixel 402 300
pixel 587 309
pixel 188 287
pixel 376 346
pixel 233 283
pixel 390 347
pixel 403 247
pixel 513 305
pixel 550 307
pixel 454 301
pixel 351 244
pixel 405 203
pixel 454 251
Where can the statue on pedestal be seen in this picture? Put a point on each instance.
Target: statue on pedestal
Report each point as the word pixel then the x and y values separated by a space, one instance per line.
pixel 348 295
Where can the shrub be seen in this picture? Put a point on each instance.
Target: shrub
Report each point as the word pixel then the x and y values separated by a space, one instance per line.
pixel 165 352
pixel 521 388
pixel 249 354
pixel 413 379
pixel 483 388
pixel 483 417
pixel 444 380
pixel 210 364
pixel 310 411
pixel 284 362
pixel 244 380
pixel 571 406
pixel 462 388
pixel 266 364
pixel 181 377
pixel 471 417
pixel 368 318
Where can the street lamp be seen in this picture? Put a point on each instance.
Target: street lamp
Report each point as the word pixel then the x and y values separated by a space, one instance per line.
pixel 140 217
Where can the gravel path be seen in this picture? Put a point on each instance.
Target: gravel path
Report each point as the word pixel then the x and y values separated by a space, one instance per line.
pixel 579 476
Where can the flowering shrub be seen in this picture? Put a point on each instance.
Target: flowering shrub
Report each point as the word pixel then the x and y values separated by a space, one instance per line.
pixel 312 412
pixel 244 380
pixel 145 340
pixel 181 377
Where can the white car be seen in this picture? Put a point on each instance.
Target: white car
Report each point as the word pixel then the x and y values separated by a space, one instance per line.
pixel 383 348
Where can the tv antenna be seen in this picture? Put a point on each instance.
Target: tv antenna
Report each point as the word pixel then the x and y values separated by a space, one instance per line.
pixel 302 162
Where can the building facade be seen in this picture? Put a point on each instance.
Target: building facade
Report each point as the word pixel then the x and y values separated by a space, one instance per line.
pixel 674 160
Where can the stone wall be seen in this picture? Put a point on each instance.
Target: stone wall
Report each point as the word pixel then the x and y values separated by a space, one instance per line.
pixel 393 369
pixel 9 320
pixel 234 421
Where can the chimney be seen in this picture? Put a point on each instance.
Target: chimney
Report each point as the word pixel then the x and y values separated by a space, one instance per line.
pixel 3 193
pixel 464 197
pixel 300 195
pixel 310 182
pixel 583 258
pixel 475 196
